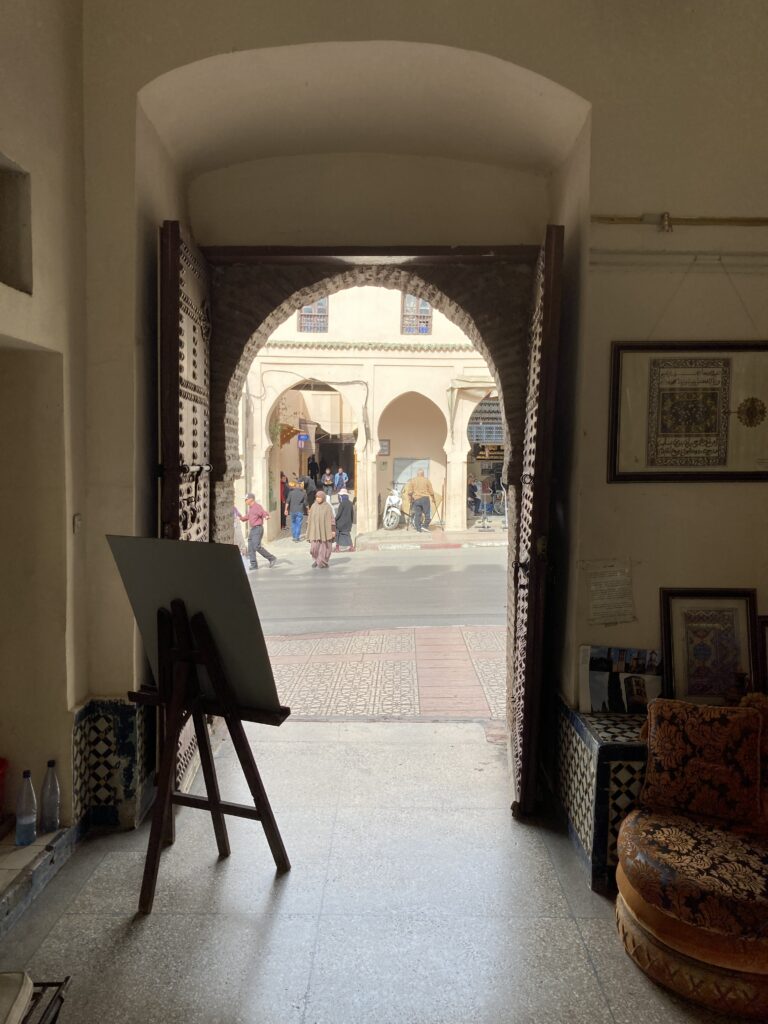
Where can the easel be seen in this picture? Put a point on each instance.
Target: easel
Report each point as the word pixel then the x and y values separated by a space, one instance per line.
pixel 183 645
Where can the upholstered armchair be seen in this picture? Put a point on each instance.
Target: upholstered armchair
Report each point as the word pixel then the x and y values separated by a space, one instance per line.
pixel 692 908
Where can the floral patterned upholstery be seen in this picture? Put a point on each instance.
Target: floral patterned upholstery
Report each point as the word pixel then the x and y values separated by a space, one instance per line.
pixel 760 702
pixel 704 761
pixel 698 873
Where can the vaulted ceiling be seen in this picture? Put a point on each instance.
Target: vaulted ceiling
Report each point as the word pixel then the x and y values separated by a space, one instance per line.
pixel 369 97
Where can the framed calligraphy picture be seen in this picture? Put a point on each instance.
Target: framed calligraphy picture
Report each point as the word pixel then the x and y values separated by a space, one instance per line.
pixel 762 649
pixel 688 410
pixel 709 644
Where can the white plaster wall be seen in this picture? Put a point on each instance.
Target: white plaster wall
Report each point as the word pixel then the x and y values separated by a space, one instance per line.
pixel 675 534
pixel 122 396
pixel 41 129
pixel 439 199
pixel 369 314
pixel 35 723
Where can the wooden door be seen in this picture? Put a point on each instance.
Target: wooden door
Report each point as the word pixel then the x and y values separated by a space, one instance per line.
pixel 185 431
pixel 533 528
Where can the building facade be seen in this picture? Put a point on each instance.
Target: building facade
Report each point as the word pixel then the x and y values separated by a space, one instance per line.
pixel 374 388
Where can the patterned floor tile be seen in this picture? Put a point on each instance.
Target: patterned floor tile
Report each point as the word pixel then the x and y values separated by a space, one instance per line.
pixel 485 638
pixel 491 670
pixel 397 691
pixel 376 673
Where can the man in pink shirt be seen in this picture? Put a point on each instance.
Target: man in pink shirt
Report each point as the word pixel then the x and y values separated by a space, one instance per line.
pixel 255 516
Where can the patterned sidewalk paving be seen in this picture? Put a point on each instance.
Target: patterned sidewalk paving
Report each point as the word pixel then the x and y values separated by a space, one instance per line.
pixel 437 673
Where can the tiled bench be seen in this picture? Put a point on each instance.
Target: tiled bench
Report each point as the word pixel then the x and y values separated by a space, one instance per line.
pixel 600 767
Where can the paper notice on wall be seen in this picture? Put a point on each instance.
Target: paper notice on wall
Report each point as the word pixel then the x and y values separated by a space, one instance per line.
pixel 609 583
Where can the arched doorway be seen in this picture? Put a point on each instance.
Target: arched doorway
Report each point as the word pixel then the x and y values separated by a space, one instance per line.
pixel 416 431
pixel 515 295
pixel 283 428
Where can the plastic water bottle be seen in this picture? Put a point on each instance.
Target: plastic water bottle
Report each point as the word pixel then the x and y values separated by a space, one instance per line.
pixel 50 800
pixel 26 812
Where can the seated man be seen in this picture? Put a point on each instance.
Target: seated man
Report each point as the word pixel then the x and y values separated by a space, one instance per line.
pixel 420 493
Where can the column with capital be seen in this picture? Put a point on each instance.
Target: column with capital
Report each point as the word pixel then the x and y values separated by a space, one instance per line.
pixel 455 512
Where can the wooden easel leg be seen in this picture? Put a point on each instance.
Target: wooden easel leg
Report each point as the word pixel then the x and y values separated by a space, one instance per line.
pixel 240 741
pixel 211 783
pixel 165 785
pixel 259 794
pixel 165 664
pixel 169 821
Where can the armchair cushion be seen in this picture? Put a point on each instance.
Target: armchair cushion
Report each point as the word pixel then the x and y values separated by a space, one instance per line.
pixel 704 761
pixel 696 873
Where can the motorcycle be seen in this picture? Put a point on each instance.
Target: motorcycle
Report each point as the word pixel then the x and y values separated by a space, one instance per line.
pixel 393 509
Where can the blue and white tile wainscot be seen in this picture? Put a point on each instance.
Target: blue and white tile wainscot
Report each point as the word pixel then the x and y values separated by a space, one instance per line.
pixel 600 769
pixel 113 757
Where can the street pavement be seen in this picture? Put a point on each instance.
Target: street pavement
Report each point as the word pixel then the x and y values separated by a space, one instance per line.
pixel 379 589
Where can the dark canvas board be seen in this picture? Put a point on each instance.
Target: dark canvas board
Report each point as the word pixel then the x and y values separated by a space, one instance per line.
pixel 208 578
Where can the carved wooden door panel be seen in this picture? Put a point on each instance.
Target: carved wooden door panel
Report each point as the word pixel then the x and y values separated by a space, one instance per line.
pixel 185 433
pixel 535 495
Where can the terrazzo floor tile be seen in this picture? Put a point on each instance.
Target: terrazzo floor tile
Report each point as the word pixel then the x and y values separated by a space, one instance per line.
pixel 405 776
pixel 418 970
pixel 193 880
pixel 440 863
pixel 583 902
pixel 176 968
pixel 414 898
pixel 626 987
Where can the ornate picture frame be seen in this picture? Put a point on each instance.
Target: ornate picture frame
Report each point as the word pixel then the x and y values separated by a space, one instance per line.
pixel 762 650
pixel 709 644
pixel 688 410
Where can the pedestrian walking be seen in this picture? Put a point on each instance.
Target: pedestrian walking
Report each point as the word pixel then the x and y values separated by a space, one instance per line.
pixel 295 507
pixel 255 516
pixel 340 480
pixel 326 481
pixel 420 493
pixel 310 488
pixel 321 531
pixel 313 469
pixel 345 517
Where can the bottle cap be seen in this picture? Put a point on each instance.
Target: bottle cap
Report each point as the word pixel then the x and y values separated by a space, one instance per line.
pixel 51 764
pixel 26 774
